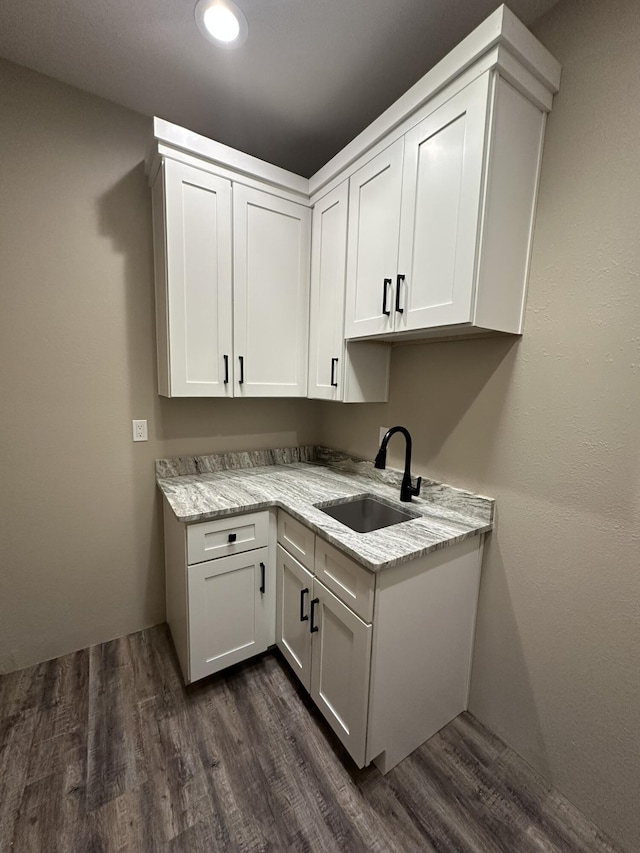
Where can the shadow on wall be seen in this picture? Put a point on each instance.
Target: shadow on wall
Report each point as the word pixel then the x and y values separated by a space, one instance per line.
pixel 438 385
pixel 512 681
pixel 228 425
pixel 433 387
pixel 125 218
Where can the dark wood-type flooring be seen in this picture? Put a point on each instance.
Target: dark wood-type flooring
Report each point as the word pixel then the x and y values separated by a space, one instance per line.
pixel 106 750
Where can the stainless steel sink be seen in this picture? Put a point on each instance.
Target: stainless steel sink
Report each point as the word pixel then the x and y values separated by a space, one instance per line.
pixel 365 513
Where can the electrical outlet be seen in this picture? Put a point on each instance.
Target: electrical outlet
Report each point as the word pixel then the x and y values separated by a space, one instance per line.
pixel 383 432
pixel 140 431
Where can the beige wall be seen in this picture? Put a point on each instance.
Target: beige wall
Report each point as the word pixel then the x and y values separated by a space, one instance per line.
pixel 80 528
pixel 550 426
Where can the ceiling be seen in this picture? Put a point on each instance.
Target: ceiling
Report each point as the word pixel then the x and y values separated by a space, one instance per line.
pixel 311 75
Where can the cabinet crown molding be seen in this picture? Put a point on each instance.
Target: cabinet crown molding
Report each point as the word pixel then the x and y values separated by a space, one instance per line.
pixel 178 143
pixel 500 42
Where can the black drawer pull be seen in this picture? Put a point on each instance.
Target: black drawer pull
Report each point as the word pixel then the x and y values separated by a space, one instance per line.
pixel 241 360
pixel 385 293
pixel 334 364
pixel 303 617
pixel 399 281
pixel 226 369
pixel 313 628
pixel 233 537
pixel 262 575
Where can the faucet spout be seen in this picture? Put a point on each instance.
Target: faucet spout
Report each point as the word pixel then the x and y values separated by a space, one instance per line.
pixel 407 491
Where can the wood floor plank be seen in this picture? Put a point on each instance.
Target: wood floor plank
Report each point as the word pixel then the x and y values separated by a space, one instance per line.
pixel 106 751
pixel 52 812
pixel 16 736
pixel 17 692
pixel 60 737
pixel 279 731
pixel 550 815
pixel 113 739
pixel 233 770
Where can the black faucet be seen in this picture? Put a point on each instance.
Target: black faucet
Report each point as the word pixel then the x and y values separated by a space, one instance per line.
pixel 407 491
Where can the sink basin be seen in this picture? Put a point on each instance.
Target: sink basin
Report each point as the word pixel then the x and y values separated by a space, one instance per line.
pixel 365 513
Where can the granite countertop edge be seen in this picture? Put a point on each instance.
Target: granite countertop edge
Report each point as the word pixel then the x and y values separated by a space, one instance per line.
pixel 223 485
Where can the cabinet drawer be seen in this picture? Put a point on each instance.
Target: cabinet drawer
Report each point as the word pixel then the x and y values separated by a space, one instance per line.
pixel 297 539
pixel 353 584
pixel 224 536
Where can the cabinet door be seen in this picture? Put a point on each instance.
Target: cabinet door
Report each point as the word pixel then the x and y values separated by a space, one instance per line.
pixel 442 182
pixel 198 324
pixel 328 272
pixel 340 665
pixel 228 613
pixel 271 294
pixel 294 586
pixel 372 253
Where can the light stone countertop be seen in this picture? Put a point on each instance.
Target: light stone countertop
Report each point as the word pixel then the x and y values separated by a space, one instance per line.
pixel 295 479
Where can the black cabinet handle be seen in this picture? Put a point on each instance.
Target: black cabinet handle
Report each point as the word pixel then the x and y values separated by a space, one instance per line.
pixel 313 628
pixel 303 617
pixel 399 281
pixel 241 360
pixel 262 576
pixel 226 369
pixel 385 293
pixel 334 364
pixel 233 537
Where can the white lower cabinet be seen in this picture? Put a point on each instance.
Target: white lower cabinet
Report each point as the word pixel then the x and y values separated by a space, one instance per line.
pixel 328 647
pixel 220 611
pixel 386 657
pixel 294 586
pixel 227 611
pixel 340 663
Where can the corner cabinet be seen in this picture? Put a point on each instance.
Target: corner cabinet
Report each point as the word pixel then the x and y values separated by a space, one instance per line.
pixel 385 657
pixel 338 370
pixel 232 286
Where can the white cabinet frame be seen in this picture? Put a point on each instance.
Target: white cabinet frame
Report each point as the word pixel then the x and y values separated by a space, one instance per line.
pixel 387 685
pixel 192 244
pixel 220 611
pixel 228 611
pixel 338 370
pixel 271 255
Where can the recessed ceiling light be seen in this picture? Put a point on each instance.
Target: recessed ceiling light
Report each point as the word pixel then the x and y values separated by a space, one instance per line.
pixel 221 22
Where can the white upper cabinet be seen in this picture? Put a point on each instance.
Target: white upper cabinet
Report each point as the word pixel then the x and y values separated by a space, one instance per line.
pixel 271 294
pixel 192 220
pixel 374 230
pixel 442 192
pixel 442 181
pixel 328 266
pixel 422 228
pixel 460 227
pixel 351 373
pixel 232 283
